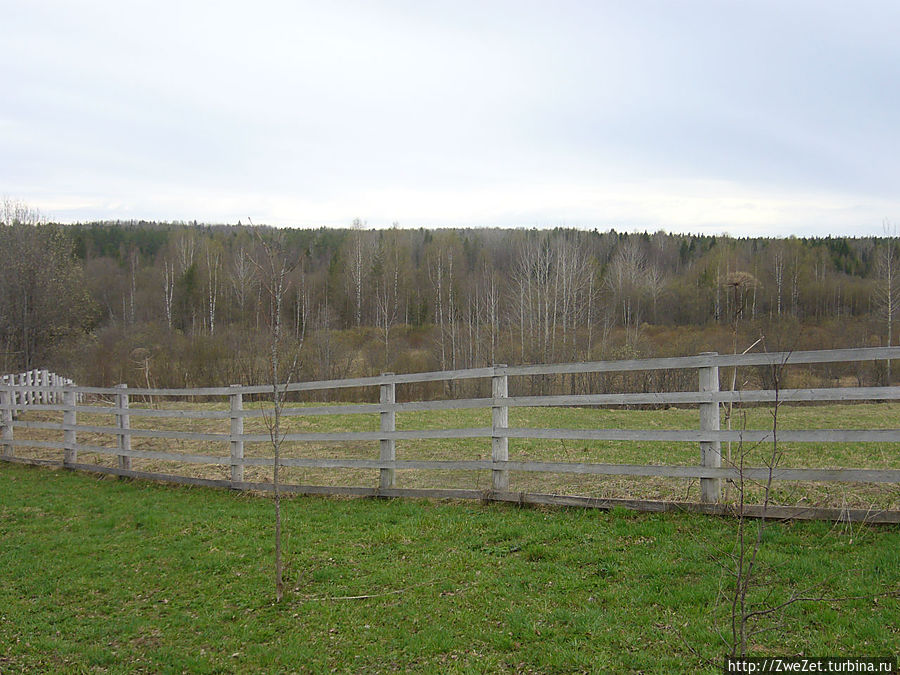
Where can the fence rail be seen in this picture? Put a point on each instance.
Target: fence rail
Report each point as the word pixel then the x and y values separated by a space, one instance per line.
pixel 40 391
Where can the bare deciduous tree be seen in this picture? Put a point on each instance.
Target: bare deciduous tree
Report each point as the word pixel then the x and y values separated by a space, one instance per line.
pixel 887 289
pixel 43 295
pixel 386 273
pixel 274 267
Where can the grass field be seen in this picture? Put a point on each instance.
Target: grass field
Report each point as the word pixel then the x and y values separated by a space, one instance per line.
pixel 105 575
pixel 834 455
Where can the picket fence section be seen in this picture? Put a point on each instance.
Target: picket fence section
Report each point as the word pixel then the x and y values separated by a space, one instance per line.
pixel 41 391
pixel 36 387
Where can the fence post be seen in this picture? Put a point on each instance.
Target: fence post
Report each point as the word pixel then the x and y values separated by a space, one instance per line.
pixel 20 394
pixel 13 394
pixel 69 421
pixel 499 422
pixel 388 423
pixel 45 384
pixel 710 451
pixel 124 424
pixel 6 417
pixel 237 429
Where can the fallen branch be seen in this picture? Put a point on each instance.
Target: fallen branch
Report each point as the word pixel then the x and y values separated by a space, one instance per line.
pixel 365 597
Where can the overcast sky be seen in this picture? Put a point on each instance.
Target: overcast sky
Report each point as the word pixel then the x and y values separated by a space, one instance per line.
pixel 711 116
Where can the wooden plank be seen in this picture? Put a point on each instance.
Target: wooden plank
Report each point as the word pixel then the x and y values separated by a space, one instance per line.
pixel 157 455
pixel 750 473
pixel 27 424
pixel 143 391
pixel 353 463
pixel 156 433
pixel 694 436
pixel 376 408
pixel 636 435
pixel 360 408
pixel 823 394
pixel 814 435
pixel 48 408
pixel 651 398
pixel 691 397
pixel 449 404
pixel 151 412
pixel 665 471
pixel 660 398
pixel 690 435
pixel 25 443
pixel 475 432
pixel 809 357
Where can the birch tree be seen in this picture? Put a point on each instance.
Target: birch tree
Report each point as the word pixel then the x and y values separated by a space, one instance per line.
pixel 168 290
pixel 212 285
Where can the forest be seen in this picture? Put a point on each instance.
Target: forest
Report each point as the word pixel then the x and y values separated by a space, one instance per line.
pixel 186 304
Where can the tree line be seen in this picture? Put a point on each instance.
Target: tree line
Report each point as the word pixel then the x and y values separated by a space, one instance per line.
pixel 182 304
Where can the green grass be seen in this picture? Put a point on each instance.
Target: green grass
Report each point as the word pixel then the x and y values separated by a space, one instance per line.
pixel 105 575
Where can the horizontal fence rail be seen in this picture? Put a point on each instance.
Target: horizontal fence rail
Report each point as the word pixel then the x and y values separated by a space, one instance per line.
pixel 48 393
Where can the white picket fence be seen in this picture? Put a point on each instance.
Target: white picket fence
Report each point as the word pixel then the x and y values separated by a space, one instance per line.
pixel 36 387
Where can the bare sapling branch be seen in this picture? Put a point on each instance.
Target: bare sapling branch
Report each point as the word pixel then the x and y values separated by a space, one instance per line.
pixel 274 266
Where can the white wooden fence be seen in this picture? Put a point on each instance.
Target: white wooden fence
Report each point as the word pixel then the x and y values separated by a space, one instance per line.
pixel 708 437
pixel 35 387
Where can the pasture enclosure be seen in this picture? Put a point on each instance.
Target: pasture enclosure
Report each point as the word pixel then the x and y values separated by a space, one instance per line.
pixel 646 449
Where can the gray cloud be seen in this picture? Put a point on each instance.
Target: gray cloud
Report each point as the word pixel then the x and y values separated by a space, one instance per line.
pixel 747 117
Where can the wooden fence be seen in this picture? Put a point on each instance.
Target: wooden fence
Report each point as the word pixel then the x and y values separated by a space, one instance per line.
pixel 710 470
pixel 35 387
